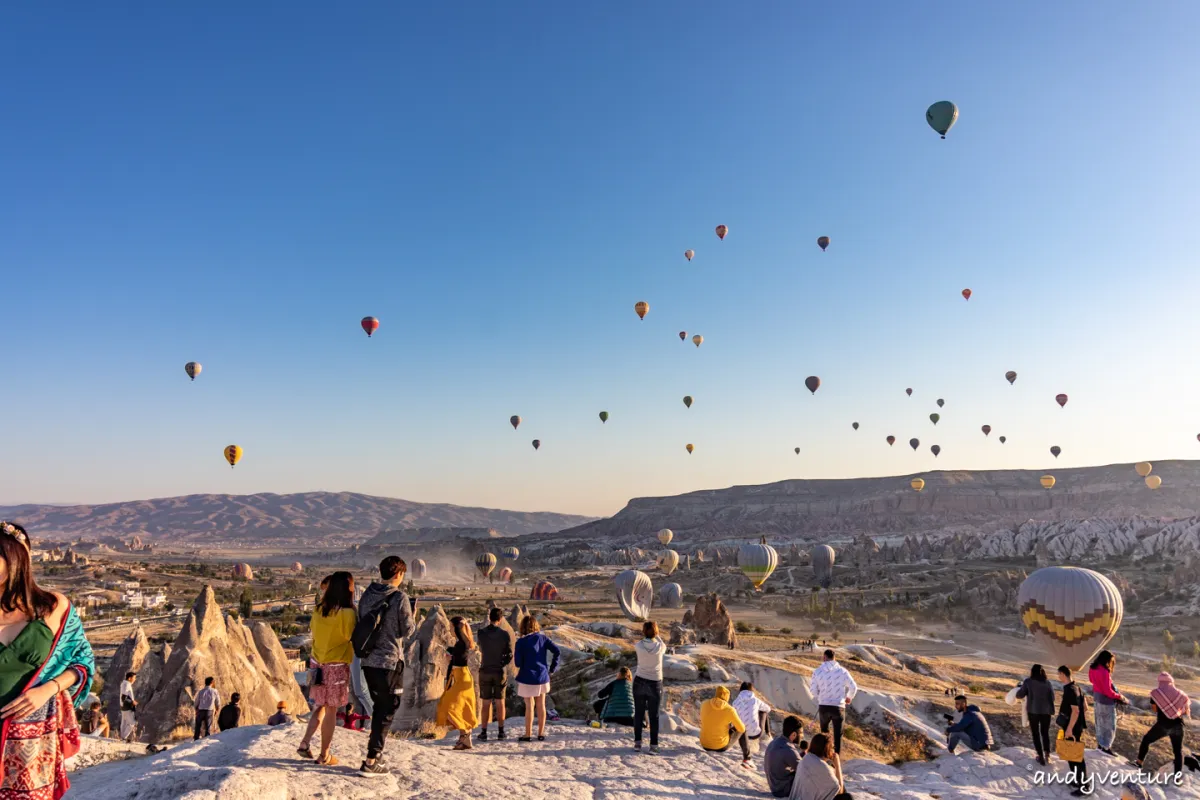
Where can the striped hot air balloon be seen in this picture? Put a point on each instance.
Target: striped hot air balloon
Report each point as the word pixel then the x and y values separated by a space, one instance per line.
pixel 510 553
pixel 635 594
pixel 192 368
pixel 544 590
pixel 485 563
pixel 822 563
pixel 419 570
pixel 667 561
pixel 757 562
pixel 665 536
pixel 242 572
pixel 1071 612
pixel 505 574
pixel 671 596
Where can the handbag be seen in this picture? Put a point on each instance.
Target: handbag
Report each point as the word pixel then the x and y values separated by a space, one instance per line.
pixel 1069 749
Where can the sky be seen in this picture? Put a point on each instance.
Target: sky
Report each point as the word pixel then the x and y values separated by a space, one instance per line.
pixel 239 184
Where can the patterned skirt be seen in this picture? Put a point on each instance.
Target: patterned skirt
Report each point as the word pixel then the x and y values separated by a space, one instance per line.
pixel 334 689
pixel 35 750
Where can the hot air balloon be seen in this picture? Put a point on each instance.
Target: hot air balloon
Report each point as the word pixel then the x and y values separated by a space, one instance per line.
pixel 419 570
pixel 986 429
pixel 757 562
pixel 671 596
pixel 1061 399
pixel 1047 481
pixel 682 335
pixel 935 449
pixel 917 483
pixel 722 230
pixel 914 443
pixel 537 443
pixel 1153 481
pixel 640 308
pixel 797 451
pixel 514 420
pixel 1143 468
pixel 665 536
pixel 510 553
pixel 297 566
pixel 891 440
pixel 690 448
pixel 1011 377
pixel 941 116
pixel 1071 612
pixel 667 561
pixel 370 325
pixel 688 254
pixel 1003 439
pixel 1055 450
pixel 192 369
pixel 854 425
pixel 697 340
pixel 544 590
pixel 941 403
pixel 687 400
pixel 485 563
pixel 966 293
pixel 934 418
pixel 604 416
pixel 822 563
pixel 635 593
pixel 812 383
pixel 242 572
pixel 233 454
pixel 908 392
pixel 822 242
pixel 505 574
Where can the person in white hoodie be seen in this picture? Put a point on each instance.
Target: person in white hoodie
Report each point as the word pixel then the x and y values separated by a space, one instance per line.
pixel 753 711
pixel 647 685
pixel 832 687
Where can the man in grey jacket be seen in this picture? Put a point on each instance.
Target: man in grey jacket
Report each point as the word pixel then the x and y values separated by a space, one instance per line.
pixel 383 667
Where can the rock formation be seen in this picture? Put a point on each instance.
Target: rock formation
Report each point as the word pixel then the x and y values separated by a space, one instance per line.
pixel 426 664
pixel 708 623
pixel 133 655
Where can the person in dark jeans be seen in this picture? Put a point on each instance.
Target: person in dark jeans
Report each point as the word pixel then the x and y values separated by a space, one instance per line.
pixel 1072 720
pixel 383 667
pixel 208 702
pixel 647 685
pixel 832 686
pixel 496 649
pixel 1170 706
pixel 1038 695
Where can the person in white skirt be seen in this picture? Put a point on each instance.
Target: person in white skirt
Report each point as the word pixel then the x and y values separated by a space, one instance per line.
pixel 536 659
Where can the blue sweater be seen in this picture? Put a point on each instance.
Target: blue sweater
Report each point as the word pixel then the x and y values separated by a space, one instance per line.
pixel 536 658
pixel 973 724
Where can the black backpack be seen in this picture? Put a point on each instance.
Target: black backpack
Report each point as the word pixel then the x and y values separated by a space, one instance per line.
pixel 366 630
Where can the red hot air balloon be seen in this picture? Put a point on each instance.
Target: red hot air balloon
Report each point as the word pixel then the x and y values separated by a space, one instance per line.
pixel 370 325
pixel 966 293
pixel 722 230
pixel 891 440
pixel 986 429
pixel 914 443
pixel 1061 400
pixel 812 382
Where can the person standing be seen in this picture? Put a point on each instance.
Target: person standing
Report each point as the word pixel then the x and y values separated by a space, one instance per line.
pixel 281 715
pixel 1072 720
pixel 128 707
pixel 496 651
pixel 332 627
pixel 717 720
pixel 754 713
pixel 1038 695
pixel 647 684
pixel 231 714
pixel 819 773
pixel 386 611
pixel 781 758
pixel 833 687
pixel 1170 706
pixel 1106 698
pixel 207 702
pixel 456 708
pixel 536 658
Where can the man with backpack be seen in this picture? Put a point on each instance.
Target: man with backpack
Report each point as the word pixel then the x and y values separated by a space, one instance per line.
pixel 385 620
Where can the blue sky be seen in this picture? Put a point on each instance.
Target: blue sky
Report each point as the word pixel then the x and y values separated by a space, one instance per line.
pixel 238 184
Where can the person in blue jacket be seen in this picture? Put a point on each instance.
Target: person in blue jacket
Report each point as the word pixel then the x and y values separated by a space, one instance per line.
pixel 536 658
pixel 971 730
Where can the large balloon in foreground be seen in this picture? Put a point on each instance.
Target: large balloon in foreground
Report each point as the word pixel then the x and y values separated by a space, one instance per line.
pixel 822 564
pixel 537 443
pixel 935 449
pixel 697 340
pixel 1047 481
pixel 914 443
pixel 688 254
pixel 1153 481
pixel 1011 377
pixel 667 561
pixel 671 596
pixel 690 448
pixel 544 590
pixel 687 400
pixel 640 308
pixel 812 383
pixel 510 553
pixel 1071 612
pixel 966 293
pixel 986 429
pixel 934 418
pixel 665 536
pixel 757 562
pixel 233 454
pixel 514 420
pixel 1061 399
pixel 822 242
pixel 485 563
pixel 1055 450
pixel 419 569
pixel 722 230
pixel 1143 468
pixel 192 369
pixel 941 116
pixel 918 484
pixel 635 593
pixel 604 416
pixel 891 440
pixel 370 325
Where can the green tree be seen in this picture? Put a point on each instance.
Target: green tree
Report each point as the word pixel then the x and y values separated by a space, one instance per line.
pixel 1168 641
pixel 246 603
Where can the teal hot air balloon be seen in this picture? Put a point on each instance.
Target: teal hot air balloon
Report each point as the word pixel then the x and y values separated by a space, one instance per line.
pixel 757 562
pixel 510 553
pixel 485 563
pixel 941 116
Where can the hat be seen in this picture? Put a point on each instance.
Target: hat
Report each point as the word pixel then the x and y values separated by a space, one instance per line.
pixel 281 704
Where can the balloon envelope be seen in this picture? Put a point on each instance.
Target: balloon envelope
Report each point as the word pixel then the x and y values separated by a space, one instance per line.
pixel 485 563
pixel 688 254
pixel 854 425
pixel 757 562
pixel 812 382
pixel 918 484
pixel 687 400
pixel 640 308
pixel 941 402
pixel 1011 377
pixel 908 392
pixel 635 593
pixel 192 369
pixel 797 451
pixel 682 335
pixel 665 536
pixel 697 340
pixel 671 596
pixel 822 242
pixel 537 443
pixel 935 449
pixel 941 116
pixel 233 454
pixel 505 574
pixel 1071 612
pixel 1055 450
pixel 722 230
pixel 1003 439
pixel 604 416
pixel 891 440
pixel 822 563
pixel 419 569
pixel 690 448
pixel 1061 399
pixel 966 293
pixel 667 561
pixel 1047 481
pixel 514 420
pixel 934 418
pixel 1143 468
pixel 510 553
pixel 544 590
pixel 1153 481
pixel 370 325
pixel 914 443
pixel 986 429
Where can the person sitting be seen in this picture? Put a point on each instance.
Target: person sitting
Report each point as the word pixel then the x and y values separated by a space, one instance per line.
pixel 614 703
pixel 231 714
pixel 281 716
pixel 971 729
pixel 717 718
pixel 755 715
pixel 819 773
pixel 781 757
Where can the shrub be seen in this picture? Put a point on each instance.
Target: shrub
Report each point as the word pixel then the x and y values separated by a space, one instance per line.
pixel 836 635
pixel 602 653
pixel 785 631
pixel 613 663
pixel 978 688
pixel 758 629
pixel 741 627
pixel 905 746
pixel 851 733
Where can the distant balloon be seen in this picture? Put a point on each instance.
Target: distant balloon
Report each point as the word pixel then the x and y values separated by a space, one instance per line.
pixel 604 416
pixel 687 400
pixel 854 425
pixel 667 561
pixel 537 443
pixel 812 382
pixel 986 429
pixel 514 420
pixel 510 553
pixel 370 325
pixel 1061 399
pixel 1055 450
pixel 1143 468
pixel 917 483
pixel 914 443
pixel 797 451
pixel 297 567
pixel 640 308
pixel 823 558
pixel 635 593
pixel 233 454
pixel 891 440
pixel 908 392
pixel 1153 481
pixel 941 403
pixel 935 449
pixel 242 572
pixel 822 242
pixel 688 254
pixel 722 230
pixel 671 596
pixel 1047 481
pixel 192 369
pixel 1003 439
pixel 934 418
pixel 757 562
pixel 697 340
pixel 941 116
pixel 1071 612
pixel 682 335
pixel 1011 377
pixel 505 574
pixel 665 536
pixel 966 293
pixel 544 590
pixel 419 569
pixel 690 448
pixel 485 563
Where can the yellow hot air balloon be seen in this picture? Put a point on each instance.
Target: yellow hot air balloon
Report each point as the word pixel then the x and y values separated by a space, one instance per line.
pixel 697 340
pixel 1047 481
pixel 668 561
pixel 233 454
pixel 665 536
pixel 690 448
pixel 1143 468
pixel 918 484
pixel 757 562
pixel 641 307
pixel 1071 612
pixel 1153 481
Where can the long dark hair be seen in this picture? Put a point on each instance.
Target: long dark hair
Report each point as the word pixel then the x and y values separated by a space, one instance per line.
pixel 339 594
pixel 821 745
pixel 20 590
pixel 1038 672
pixel 1103 659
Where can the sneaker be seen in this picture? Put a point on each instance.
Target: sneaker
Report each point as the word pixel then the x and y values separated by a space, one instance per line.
pixel 637 747
pixel 1106 751
pixel 373 770
pixel 746 763
pixel 483 735
pixel 500 734
pixel 653 751
pixel 1041 760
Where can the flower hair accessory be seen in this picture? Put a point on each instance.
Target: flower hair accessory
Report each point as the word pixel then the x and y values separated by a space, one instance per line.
pixel 15 531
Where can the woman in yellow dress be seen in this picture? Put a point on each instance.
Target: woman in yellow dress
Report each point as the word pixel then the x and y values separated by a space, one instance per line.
pixel 457 708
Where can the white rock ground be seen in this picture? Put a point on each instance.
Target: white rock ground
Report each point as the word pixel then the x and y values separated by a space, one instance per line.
pixel 574 763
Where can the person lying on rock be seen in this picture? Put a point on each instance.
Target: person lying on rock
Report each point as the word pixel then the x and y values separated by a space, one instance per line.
pixel 971 730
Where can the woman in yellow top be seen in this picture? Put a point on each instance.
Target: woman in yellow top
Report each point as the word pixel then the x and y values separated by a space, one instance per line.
pixel 716 718
pixel 329 668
